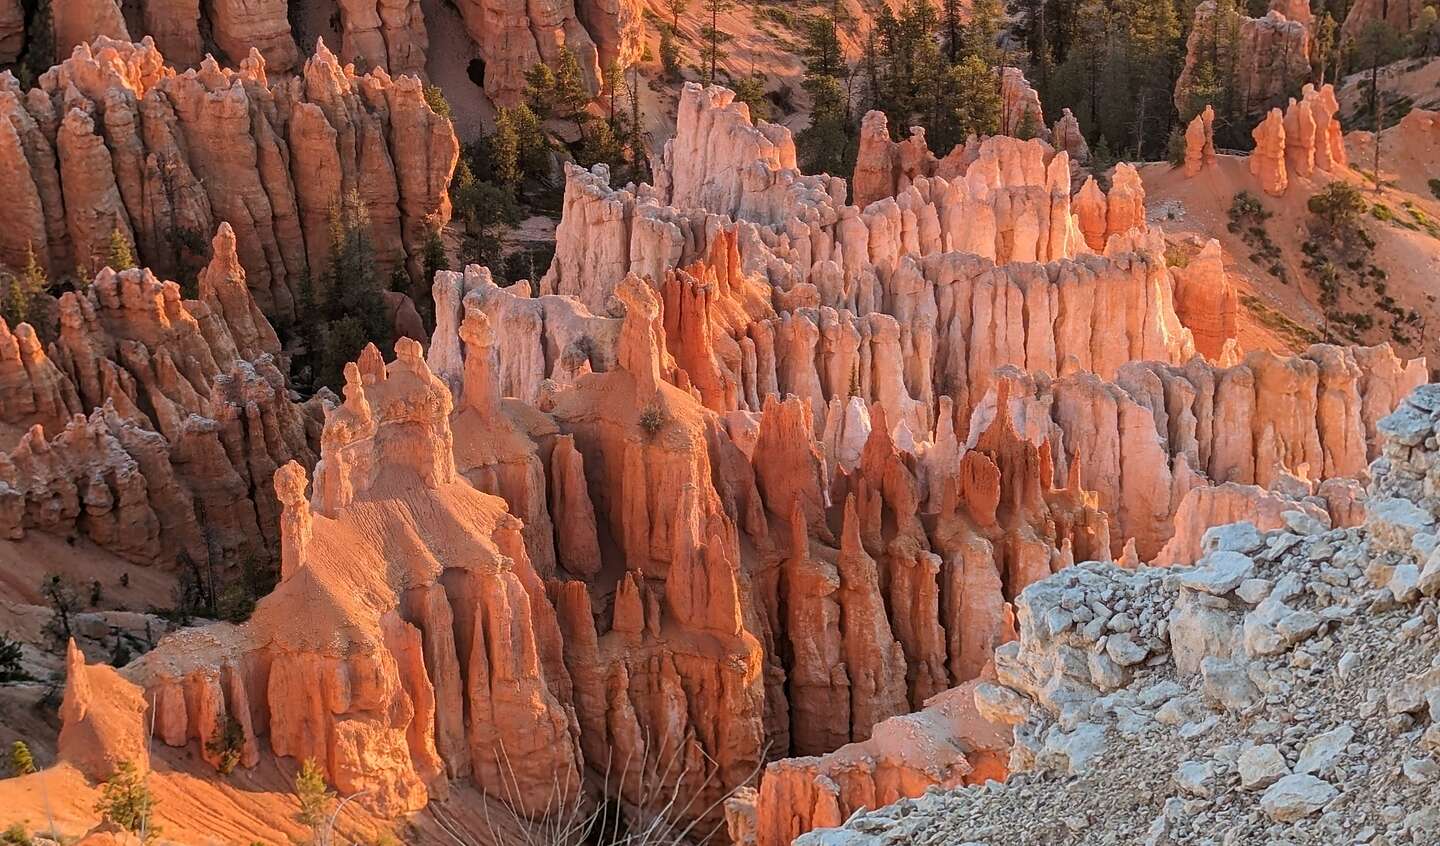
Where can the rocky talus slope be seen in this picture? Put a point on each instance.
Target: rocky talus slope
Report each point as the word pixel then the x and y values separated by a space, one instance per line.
pixel 113 139
pixel 1283 689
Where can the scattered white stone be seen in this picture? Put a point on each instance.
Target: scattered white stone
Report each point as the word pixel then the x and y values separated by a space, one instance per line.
pixel 1253 591
pixel 1295 797
pixel 1219 573
pixel 1000 704
pixel 1320 752
pixel 1303 524
pixel 1261 766
pixel 1196 778
pixel 1123 650
pixel 1420 770
pixel 1228 685
pixel 1240 537
pixel 1404 582
pixel 1429 581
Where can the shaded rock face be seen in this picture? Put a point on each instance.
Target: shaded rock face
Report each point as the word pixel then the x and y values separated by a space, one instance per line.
pixel 1271 56
pixel 12 30
pixel 385 34
pixel 1400 15
pixel 946 744
pixel 513 36
pixel 236 26
pixel 152 416
pixel 112 139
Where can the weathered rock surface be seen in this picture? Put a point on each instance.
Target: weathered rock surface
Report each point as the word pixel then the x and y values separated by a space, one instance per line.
pixel 103 719
pixel 385 34
pixel 1400 15
pixel 1143 441
pixel 1200 141
pixel 946 744
pixel 12 30
pixel 1269 56
pixel 513 36
pixel 112 139
pixel 81 21
pixel 151 416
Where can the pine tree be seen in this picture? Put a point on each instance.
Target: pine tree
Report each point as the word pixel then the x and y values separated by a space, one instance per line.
pixel 126 801
pixel 826 144
pixel 823 54
pixel 670 57
pixel 713 40
pixel 313 793
pixel 954 30
pixel 14 304
pixel 1325 46
pixel 750 90
pixel 676 9
pixel 1377 46
pixel 21 761
pixel 505 148
pixel 571 96
pixel 983 31
pixel 10 655
pixel 119 255
pixel 63 601
pixel 435 99
pixel 435 259
pixel 1142 87
pixel 977 96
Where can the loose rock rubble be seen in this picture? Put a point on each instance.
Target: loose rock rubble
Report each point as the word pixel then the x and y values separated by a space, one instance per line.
pixel 1286 689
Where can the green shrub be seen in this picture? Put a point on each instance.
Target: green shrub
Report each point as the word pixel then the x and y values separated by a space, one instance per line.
pixel 10 654
pixel 227 743
pixel 652 420
pixel 21 761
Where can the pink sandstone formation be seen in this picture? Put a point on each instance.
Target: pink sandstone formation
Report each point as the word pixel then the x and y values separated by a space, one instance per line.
pixel 1207 302
pixel 1267 160
pixel 753 475
pixel 12 30
pixel 1306 137
pixel 103 718
pixel 78 22
pixel 385 34
pixel 1143 441
pixel 1400 15
pixel 1020 110
pixel 234 26
pixel 1271 56
pixel 243 27
pixel 186 151
pixel 945 744
pixel 1200 141
pixel 1066 136
pixel 514 36
pixel 151 415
